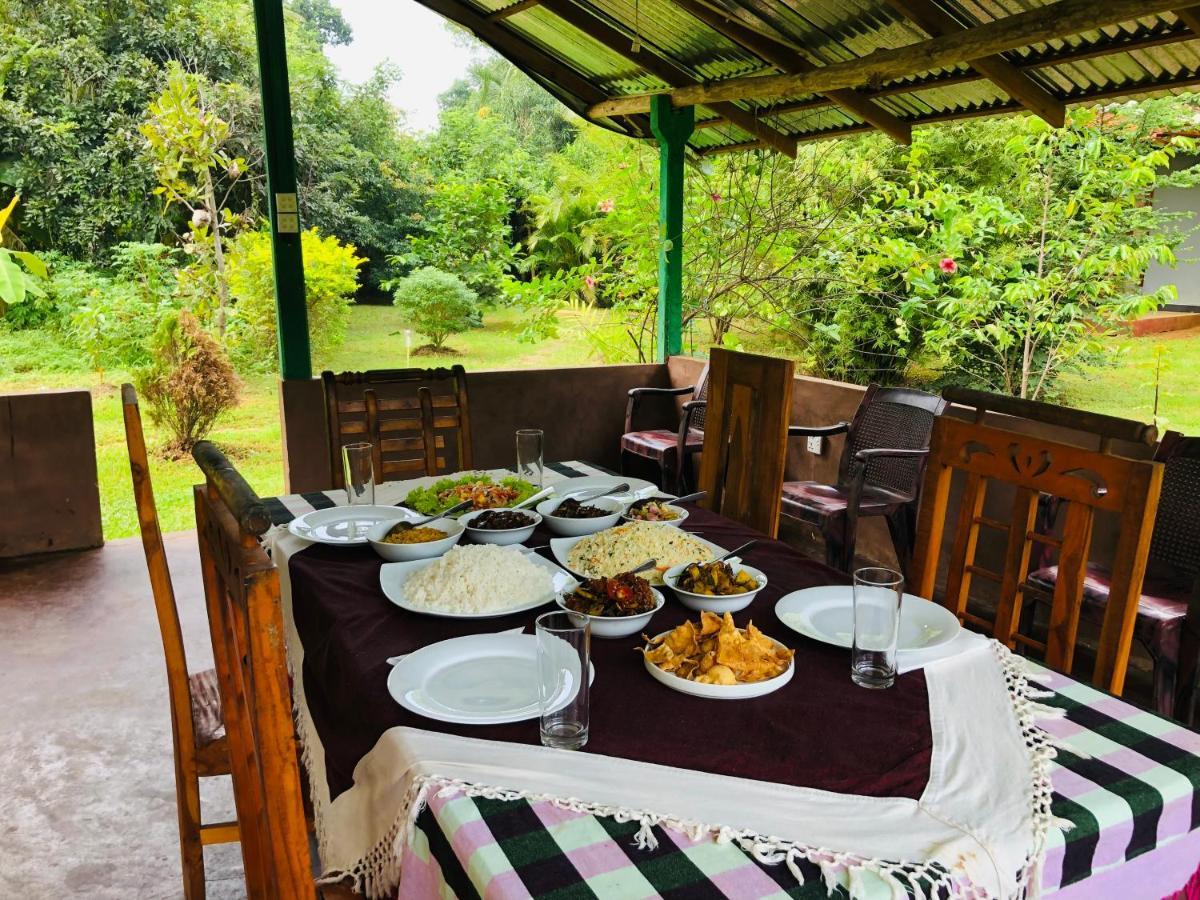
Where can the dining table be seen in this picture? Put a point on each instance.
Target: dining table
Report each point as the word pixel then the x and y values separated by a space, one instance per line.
pixel 978 774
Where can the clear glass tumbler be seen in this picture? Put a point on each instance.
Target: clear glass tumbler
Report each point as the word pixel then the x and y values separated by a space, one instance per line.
pixel 877 594
pixel 360 474
pixel 530 447
pixel 564 672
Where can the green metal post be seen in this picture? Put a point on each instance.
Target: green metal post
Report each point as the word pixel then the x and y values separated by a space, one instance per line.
pixel 295 360
pixel 672 127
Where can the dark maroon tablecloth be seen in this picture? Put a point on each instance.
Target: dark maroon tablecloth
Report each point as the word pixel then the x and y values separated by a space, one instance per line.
pixel 820 730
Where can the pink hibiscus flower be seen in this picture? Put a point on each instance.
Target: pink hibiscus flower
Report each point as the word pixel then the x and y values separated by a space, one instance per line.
pixel 948 265
pixel 607 205
pixel 590 282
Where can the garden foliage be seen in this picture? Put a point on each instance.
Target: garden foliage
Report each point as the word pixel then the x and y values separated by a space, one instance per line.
pixel 437 304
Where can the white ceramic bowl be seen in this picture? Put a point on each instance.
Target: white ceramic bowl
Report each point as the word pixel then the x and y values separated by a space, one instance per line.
pixel 619 626
pixel 580 527
pixel 409 552
pixel 722 691
pixel 674 523
pixel 501 536
pixel 719 605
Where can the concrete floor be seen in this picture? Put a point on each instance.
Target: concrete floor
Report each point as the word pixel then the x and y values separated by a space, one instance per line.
pixel 87 791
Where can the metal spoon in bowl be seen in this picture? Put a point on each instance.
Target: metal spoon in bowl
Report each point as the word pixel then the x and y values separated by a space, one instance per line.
pixel 648 564
pixel 736 550
pixel 603 492
pixel 406 525
pixel 529 501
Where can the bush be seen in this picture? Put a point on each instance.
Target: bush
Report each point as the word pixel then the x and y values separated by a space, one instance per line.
pixel 189 384
pixel 330 280
pixel 437 304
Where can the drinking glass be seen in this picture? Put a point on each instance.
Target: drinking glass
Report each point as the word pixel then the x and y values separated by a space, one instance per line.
pixel 877 593
pixel 530 442
pixel 563 650
pixel 360 474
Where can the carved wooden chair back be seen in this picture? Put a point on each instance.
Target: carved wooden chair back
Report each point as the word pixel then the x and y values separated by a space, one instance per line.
pixel 402 419
pixel 197 733
pixel 746 434
pixel 1089 481
pixel 241 588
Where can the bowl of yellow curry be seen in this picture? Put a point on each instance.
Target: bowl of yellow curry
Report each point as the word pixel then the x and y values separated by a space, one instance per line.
pixel 401 541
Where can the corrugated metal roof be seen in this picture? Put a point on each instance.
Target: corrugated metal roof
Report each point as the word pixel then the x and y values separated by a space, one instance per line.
pixel 639 46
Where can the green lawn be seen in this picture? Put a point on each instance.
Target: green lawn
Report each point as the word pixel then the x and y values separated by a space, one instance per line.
pixel 1125 385
pixel 32 361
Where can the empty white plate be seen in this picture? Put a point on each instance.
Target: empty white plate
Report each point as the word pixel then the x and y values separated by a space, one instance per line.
pixel 827 614
pixel 393 576
pixel 344 526
pixel 638 487
pixel 478 679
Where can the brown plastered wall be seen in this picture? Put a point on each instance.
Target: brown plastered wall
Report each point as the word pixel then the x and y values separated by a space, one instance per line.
pixel 48 484
pixel 582 411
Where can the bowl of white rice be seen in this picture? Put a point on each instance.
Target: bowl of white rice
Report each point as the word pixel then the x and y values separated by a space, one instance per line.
pixel 616 550
pixel 473 581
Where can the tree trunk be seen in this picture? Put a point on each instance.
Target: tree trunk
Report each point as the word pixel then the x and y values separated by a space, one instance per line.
pixel 214 221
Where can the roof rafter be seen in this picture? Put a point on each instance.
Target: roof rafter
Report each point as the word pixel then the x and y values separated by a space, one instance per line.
pixel 1018 85
pixel 1047 23
pixel 591 24
pixel 505 12
pixel 785 59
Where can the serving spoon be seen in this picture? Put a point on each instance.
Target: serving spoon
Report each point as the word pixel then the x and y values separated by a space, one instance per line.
pixel 406 524
pixel 736 550
pixel 603 492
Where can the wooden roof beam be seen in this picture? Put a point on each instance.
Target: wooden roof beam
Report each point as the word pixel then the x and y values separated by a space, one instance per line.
pixel 786 59
pixel 1047 23
pixel 1018 85
pixel 1190 17
pixel 673 74
pixel 505 12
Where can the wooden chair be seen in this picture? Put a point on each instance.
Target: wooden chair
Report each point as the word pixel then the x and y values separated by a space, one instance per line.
pixel 1172 569
pixel 197 727
pixel 671 451
pixel 883 461
pixel 399 412
pixel 402 456
pixel 1090 481
pixel 745 441
pixel 241 588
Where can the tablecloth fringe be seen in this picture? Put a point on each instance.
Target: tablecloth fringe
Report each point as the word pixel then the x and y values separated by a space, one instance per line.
pixel 377 874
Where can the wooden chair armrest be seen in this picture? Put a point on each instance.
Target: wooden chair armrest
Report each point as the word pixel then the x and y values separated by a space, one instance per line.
pixel 888 453
pixel 249 512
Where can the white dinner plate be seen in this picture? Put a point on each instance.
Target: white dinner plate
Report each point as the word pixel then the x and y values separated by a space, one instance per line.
pixel 638 487
pixel 721 691
pixel 393 576
pixel 827 614
pixel 345 526
pixel 560 547
pixel 478 679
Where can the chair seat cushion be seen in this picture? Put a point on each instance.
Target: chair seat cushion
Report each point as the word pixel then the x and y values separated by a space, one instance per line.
pixel 659 443
pixel 1161 608
pixel 811 498
pixel 207 719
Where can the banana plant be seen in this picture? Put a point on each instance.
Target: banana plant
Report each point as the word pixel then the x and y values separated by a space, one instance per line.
pixel 20 270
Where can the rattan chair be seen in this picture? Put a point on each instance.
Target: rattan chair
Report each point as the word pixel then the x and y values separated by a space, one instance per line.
pixel 879 474
pixel 671 451
pixel 403 420
pixel 197 727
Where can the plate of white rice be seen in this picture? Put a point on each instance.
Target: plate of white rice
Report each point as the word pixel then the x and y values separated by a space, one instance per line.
pixel 474 581
pixel 616 550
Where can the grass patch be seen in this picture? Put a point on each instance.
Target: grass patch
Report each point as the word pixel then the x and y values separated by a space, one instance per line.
pixel 33 360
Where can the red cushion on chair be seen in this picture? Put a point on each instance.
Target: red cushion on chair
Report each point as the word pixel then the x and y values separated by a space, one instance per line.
pixel 1161 608
pixel 826 499
pixel 658 443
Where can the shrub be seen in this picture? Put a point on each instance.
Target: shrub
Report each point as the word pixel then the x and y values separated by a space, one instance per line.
pixel 437 304
pixel 189 384
pixel 330 280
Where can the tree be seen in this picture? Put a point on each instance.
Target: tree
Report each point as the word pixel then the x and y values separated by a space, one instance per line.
pixel 188 140
pixel 20 270
pixel 437 304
